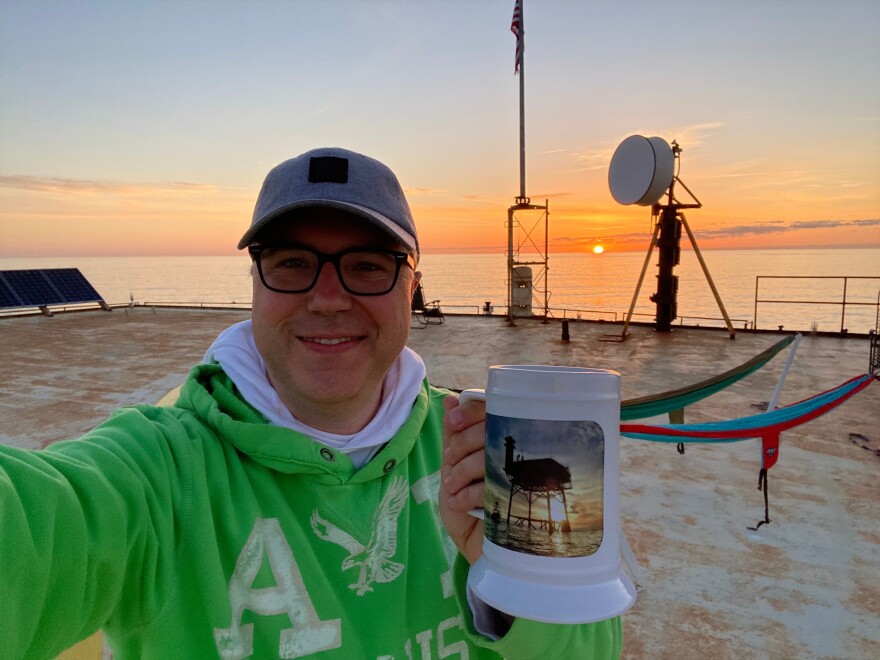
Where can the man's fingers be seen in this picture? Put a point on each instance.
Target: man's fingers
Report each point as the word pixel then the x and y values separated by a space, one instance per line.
pixel 467 498
pixel 461 471
pixel 460 416
pixel 460 474
pixel 463 431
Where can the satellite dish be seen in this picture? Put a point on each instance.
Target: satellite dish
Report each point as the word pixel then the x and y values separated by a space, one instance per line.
pixel 641 170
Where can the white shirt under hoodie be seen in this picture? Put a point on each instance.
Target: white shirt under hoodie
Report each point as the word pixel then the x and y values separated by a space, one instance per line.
pixel 236 351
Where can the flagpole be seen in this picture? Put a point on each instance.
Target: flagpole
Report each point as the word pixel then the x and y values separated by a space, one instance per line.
pixel 522 105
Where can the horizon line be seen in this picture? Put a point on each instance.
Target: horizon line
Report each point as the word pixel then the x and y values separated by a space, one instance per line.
pixel 455 251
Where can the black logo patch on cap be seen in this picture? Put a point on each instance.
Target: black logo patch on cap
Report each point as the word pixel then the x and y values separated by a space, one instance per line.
pixel 328 169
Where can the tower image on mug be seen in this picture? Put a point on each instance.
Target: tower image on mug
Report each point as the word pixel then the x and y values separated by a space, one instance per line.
pixel 544 485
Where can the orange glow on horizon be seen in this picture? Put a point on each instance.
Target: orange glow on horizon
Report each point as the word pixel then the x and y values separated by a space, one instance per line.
pixel 210 222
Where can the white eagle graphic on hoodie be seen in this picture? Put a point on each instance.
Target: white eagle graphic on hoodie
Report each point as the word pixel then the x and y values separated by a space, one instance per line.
pixel 375 558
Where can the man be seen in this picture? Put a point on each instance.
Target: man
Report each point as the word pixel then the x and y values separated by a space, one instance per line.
pixel 287 504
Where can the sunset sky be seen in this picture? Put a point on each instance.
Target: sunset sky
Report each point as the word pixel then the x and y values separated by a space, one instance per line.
pixel 140 128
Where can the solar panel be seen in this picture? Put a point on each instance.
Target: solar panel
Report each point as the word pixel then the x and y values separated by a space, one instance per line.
pixel 7 297
pixel 71 284
pixel 43 287
pixel 32 288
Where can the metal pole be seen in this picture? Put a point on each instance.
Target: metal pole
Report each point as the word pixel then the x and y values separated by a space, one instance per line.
pixel 774 400
pixel 641 279
pixel 755 314
pixel 522 104
pixel 667 283
pixel 546 258
pixel 730 331
pixel 510 262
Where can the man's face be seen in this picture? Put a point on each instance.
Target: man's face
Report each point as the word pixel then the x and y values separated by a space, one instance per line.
pixel 327 351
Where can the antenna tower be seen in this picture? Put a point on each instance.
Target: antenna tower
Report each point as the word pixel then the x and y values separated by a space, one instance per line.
pixel 642 171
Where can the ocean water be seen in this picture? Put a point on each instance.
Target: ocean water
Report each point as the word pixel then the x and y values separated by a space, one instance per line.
pixel 585 285
pixel 543 543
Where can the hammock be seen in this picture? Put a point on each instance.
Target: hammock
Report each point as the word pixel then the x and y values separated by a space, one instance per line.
pixel 665 402
pixel 764 425
pixel 767 426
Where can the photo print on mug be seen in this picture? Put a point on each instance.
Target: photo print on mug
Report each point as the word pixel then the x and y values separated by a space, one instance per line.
pixel 544 485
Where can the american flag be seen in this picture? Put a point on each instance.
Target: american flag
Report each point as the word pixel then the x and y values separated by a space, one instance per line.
pixel 516 28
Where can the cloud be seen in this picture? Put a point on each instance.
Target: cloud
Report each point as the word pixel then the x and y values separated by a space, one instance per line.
pixel 423 192
pixel 735 231
pixel 777 227
pixel 742 168
pixel 687 136
pixel 594 159
pixel 695 134
pixel 90 187
pixel 554 195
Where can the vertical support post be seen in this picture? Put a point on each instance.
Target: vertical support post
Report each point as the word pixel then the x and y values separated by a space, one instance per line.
pixel 546 260
pixel 510 262
pixel 755 313
pixel 509 502
pixel 667 283
pixel 522 102
pixel 549 514
pixel 566 526
pixel 775 398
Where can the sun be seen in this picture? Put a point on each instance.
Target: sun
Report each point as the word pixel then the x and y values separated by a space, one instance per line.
pixel 598 249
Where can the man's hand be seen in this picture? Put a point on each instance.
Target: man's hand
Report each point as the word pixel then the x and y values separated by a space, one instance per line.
pixel 461 475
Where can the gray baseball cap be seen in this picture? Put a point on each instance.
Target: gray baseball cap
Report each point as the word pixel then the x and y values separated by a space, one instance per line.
pixel 340 179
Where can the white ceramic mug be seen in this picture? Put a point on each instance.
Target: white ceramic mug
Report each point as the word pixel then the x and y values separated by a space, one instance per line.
pixel 551 547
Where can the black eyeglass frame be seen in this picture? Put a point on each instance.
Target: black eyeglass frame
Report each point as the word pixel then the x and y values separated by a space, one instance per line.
pixel 400 258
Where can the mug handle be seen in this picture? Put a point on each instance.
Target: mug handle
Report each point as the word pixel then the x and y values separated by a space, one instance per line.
pixel 472 395
pixel 464 397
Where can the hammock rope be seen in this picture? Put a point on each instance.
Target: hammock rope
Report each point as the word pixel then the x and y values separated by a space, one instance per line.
pixel 762 485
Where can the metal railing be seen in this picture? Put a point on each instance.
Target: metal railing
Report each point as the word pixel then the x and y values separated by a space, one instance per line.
pixel 843 302
pixel 199 304
pixel 555 313
pixel 874 358
pixel 585 314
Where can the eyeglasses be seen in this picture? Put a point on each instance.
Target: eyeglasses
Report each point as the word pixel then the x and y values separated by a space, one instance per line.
pixel 294 269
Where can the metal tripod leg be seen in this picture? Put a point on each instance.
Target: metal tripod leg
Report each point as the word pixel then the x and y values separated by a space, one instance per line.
pixel 715 293
pixel 641 280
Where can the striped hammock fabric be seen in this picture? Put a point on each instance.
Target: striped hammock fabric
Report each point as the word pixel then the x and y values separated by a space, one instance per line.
pixel 665 402
pixel 767 426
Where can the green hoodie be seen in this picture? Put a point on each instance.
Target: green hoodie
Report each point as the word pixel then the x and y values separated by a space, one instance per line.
pixel 201 531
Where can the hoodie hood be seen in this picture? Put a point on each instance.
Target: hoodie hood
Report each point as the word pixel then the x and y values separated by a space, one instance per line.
pixel 210 394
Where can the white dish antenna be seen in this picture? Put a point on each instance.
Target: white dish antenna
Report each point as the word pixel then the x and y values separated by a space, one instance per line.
pixel 641 170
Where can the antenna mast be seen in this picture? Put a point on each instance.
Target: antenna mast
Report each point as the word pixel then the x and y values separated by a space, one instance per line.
pixel 641 170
